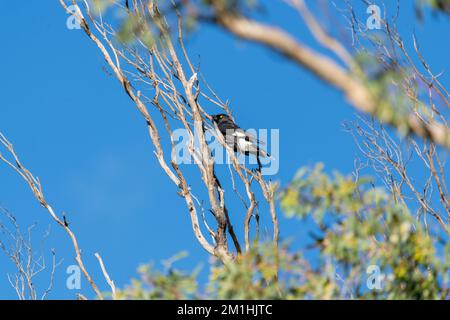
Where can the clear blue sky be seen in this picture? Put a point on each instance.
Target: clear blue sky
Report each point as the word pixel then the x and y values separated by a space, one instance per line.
pixel 79 133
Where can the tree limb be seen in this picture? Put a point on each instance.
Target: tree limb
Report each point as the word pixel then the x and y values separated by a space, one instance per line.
pixel 326 69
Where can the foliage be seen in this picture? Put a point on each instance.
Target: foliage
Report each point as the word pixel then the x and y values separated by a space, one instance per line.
pixel 442 6
pixel 153 284
pixel 359 225
pixel 362 226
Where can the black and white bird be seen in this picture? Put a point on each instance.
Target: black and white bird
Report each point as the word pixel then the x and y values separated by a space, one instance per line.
pixel 239 140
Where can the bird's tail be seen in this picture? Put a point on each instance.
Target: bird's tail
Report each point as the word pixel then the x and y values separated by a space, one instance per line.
pixel 257 151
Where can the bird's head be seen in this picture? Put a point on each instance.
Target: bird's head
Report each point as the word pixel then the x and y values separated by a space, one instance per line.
pixel 220 117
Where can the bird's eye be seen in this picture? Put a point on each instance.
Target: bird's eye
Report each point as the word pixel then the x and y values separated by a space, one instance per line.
pixel 221 116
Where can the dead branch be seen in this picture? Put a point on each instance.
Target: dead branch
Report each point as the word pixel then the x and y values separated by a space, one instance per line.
pixel 324 67
pixel 177 100
pixel 28 262
pixel 36 188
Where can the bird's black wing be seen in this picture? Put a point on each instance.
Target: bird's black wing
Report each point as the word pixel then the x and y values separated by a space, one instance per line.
pixel 248 136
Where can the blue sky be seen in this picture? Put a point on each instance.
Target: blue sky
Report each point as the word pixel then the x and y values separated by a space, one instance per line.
pixel 79 133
